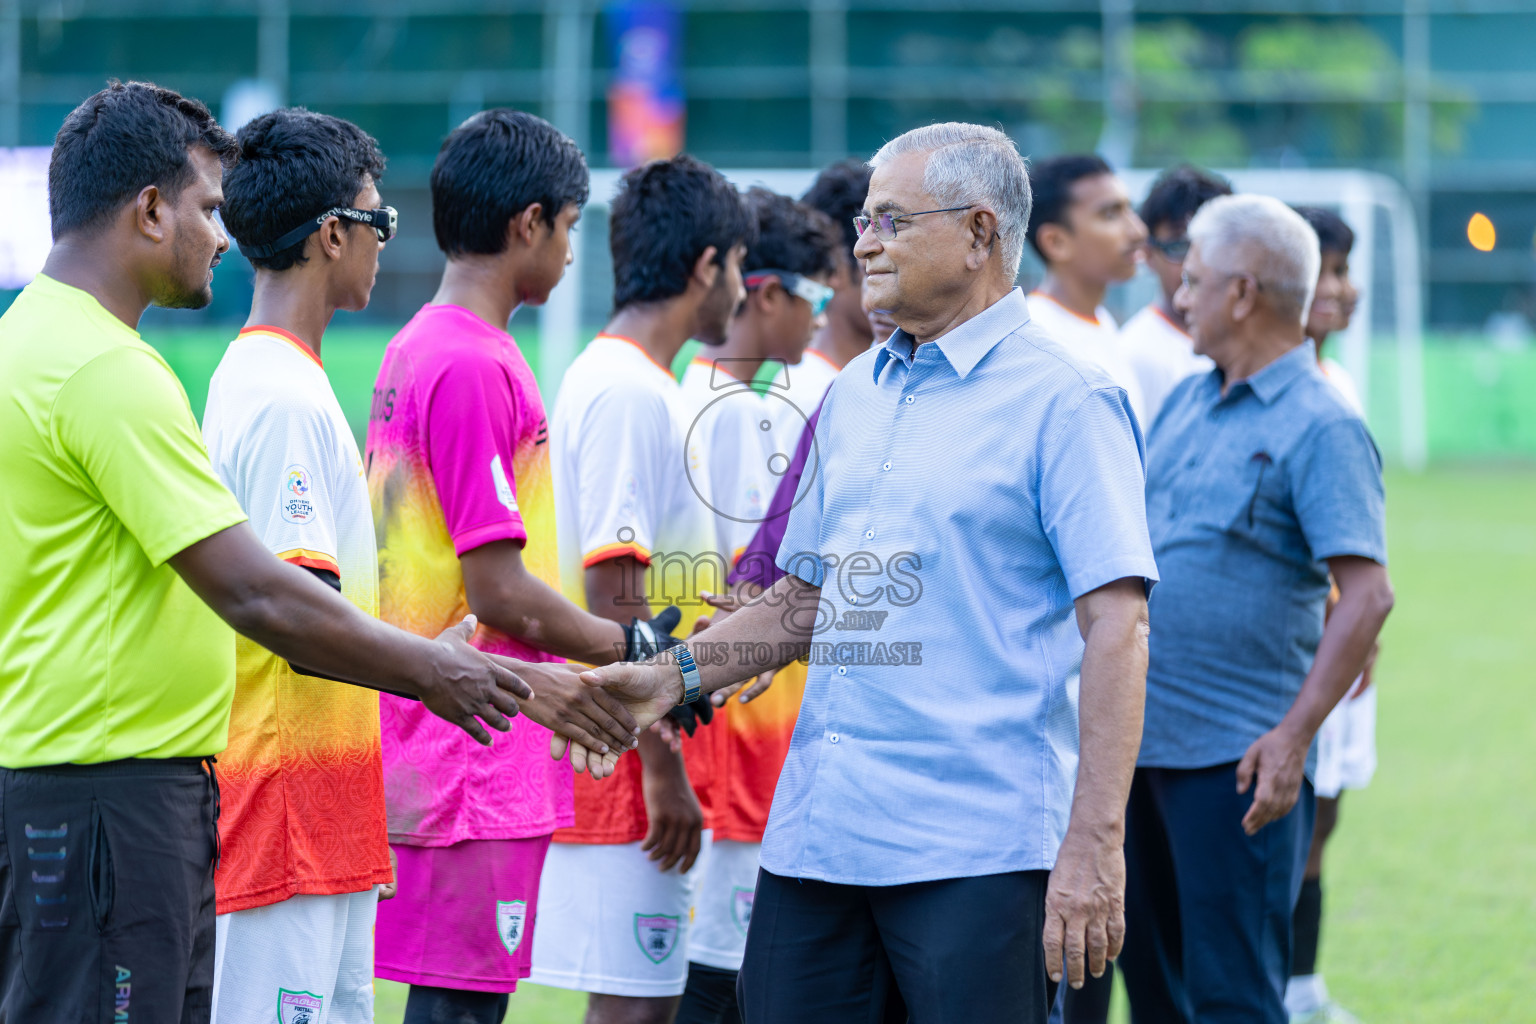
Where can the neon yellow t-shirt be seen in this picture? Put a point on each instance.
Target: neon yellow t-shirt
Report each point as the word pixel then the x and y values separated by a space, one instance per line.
pixel 104 652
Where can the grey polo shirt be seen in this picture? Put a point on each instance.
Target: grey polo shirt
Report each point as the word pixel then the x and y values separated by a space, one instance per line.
pixel 1247 494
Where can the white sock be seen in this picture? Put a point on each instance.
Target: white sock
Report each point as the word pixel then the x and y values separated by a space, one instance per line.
pixel 1305 993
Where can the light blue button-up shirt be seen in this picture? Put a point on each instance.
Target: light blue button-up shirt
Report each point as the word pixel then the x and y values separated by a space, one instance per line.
pixel 970 489
pixel 1248 493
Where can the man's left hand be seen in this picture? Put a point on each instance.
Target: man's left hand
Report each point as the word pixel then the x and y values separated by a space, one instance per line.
pixel 1277 760
pixel 1085 907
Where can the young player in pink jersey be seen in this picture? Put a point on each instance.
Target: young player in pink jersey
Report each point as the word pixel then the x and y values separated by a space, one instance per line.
pixel 458 470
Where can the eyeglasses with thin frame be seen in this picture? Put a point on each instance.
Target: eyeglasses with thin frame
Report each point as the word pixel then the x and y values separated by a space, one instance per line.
pixel 885 223
pixel 1191 283
pixel 1174 250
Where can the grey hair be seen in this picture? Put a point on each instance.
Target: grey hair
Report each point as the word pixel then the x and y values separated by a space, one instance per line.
pixel 1262 236
pixel 972 165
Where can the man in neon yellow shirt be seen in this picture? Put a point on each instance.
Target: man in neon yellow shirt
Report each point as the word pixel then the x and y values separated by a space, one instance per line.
pixel 120 552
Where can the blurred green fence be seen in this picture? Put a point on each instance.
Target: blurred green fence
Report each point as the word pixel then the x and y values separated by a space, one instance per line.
pixel 1480 402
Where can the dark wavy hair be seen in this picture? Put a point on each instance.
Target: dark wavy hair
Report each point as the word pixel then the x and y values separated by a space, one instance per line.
pixel 1333 235
pixel 1178 192
pixel 294 165
pixel 666 214
pixel 120 141
pixel 493 167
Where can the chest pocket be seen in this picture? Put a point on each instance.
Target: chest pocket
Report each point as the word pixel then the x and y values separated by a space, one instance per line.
pixel 1260 509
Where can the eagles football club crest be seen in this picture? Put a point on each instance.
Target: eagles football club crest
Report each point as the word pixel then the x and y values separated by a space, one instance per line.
pixel 741 907
pixel 657 935
pixel 298 1007
pixel 511 922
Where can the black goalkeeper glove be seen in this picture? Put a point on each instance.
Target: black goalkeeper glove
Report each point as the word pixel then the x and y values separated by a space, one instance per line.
pixel 643 640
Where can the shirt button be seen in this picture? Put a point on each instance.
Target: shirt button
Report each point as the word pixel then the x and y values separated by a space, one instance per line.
pixel 842 670
pixel 834 737
pixel 869 534
pixel 909 399
pixel 1173 513
pixel 886 467
pixel 1192 461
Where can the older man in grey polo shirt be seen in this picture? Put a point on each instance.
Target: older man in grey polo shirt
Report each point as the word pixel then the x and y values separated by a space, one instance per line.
pixel 1261 483
pixel 980 498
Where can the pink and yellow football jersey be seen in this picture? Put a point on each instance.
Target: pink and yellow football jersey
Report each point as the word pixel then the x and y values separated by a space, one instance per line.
pixel 458 457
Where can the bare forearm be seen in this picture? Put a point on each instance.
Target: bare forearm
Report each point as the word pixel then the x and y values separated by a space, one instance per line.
pixel 767 633
pixel 532 611
pixel 300 619
pixel 1350 632
pixel 1111 697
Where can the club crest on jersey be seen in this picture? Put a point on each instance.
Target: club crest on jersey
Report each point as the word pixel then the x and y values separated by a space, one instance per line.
pixel 657 935
pixel 511 921
pixel 298 1007
pixel 741 907
pixel 295 504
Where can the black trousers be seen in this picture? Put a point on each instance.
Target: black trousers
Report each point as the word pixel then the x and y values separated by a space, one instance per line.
pixel 1208 908
pixel 957 950
pixel 106 892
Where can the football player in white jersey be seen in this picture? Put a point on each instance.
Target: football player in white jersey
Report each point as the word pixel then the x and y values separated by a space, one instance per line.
pixel 1154 341
pixel 1346 743
pixel 1086 231
pixel 788 272
pixel 632 508
pixel 838 192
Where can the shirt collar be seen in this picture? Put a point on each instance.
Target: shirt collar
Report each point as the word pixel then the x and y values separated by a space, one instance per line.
pixel 964 346
pixel 1268 384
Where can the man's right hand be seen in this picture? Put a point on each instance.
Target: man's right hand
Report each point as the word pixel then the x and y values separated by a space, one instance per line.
pixel 648 690
pixel 465 686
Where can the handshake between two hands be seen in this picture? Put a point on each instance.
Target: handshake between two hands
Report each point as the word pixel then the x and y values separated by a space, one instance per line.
pixel 595 713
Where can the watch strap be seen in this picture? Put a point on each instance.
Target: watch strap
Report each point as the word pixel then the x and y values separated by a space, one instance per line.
pixel 692 684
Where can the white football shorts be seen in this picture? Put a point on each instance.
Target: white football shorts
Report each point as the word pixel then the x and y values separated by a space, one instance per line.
pixel 611 922
pixel 306 960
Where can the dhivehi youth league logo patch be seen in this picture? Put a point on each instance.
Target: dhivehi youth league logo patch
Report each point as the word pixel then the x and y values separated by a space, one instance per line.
pixel 511 920
pixel 741 907
pixel 294 503
pixel 657 935
pixel 298 1007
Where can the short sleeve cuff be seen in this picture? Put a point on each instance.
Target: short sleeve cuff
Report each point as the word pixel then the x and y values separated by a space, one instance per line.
pixel 609 551
pixel 176 543
pixel 311 559
pixel 479 536
pixel 806 566
pixel 1086 579
pixel 1372 550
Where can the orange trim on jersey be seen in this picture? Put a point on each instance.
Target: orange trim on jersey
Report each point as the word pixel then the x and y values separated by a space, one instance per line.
pixel 1071 312
pixel 823 358
pixel 608 551
pixel 1169 321
pixel 291 338
pixel 713 366
pixel 632 341
pixel 311 559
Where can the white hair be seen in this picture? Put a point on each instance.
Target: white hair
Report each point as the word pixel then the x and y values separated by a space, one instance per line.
pixel 972 165
pixel 1260 235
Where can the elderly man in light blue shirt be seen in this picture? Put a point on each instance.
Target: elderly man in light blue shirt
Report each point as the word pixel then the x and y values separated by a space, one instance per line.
pixel 968 570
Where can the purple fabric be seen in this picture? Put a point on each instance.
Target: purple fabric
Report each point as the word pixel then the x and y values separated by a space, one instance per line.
pixel 757 561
